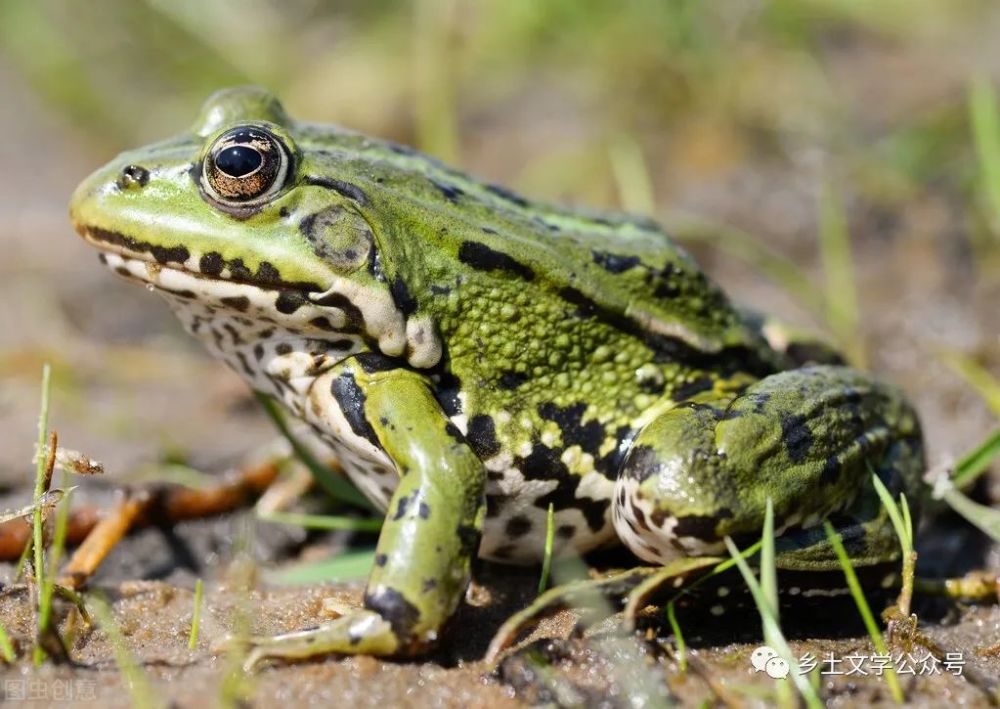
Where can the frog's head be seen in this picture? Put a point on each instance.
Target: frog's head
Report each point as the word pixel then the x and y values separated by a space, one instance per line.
pixel 253 212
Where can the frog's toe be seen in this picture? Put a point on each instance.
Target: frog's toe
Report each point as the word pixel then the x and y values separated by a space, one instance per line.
pixel 362 632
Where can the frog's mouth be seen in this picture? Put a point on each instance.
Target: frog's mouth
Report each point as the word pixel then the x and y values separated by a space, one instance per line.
pixel 341 308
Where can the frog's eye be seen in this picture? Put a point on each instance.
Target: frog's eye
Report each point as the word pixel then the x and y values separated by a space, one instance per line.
pixel 244 167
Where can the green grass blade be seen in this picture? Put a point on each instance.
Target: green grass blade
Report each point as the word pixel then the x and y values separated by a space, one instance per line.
pixel 768 570
pixel 977 461
pixel 41 473
pixel 985 119
pixel 899 515
pixel 336 486
pixel 863 609
pixel 349 565
pixel 632 178
pixel 772 630
pixel 550 535
pixel 328 522
pixel 675 628
pixel 976 375
pixel 6 648
pixel 134 679
pixel 840 292
pixel 196 615
pixel 986 519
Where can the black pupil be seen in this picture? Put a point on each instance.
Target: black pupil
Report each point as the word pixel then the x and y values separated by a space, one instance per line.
pixel 238 160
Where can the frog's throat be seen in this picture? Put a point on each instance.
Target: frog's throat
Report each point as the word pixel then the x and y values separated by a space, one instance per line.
pixel 344 308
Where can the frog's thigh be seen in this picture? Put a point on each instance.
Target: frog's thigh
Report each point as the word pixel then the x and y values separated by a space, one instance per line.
pixel 804 438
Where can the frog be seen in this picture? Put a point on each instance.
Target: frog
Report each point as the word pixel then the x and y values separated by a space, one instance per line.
pixel 491 370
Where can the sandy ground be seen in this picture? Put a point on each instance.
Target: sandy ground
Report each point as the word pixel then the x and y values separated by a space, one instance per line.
pixel 131 390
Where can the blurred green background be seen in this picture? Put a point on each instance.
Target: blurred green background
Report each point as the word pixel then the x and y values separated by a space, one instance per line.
pixel 834 161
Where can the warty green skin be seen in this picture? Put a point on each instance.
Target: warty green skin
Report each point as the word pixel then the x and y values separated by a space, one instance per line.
pixel 473 357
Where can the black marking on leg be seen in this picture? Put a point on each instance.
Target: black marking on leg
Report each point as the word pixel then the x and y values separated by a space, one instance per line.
pixel 701 526
pixel 482 258
pixel 401 615
pixel 797 437
pixel 323 323
pixel 380 559
pixel 372 362
pixel 351 399
pixel 355 320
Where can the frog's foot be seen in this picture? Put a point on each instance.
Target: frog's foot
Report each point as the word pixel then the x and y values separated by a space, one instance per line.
pixel 631 590
pixel 360 632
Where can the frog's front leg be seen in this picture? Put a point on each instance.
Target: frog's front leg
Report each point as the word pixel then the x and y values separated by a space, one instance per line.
pixel 432 526
pixel 806 438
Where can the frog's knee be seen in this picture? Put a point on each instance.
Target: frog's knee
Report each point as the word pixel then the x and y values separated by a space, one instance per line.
pixel 670 498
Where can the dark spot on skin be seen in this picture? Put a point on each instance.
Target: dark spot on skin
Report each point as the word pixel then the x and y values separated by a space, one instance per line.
pixel 488 230
pixel 401 615
pixel 588 436
pixel 380 559
pixel 401 149
pixel 283 212
pixel 162 254
pixel 544 464
pixel 424 510
pixel 508 195
pixel 482 436
pixel 283 348
pixel 355 320
pixel 351 399
pixel 258 351
pixel 401 296
pixel 614 263
pixel 267 273
pixel 797 437
pixel 401 506
pixel 322 323
pixel 517 526
pixel 509 380
pixel 483 258
pixel 440 290
pixel 428 585
pixel 640 517
pixel 346 189
pixel 288 301
pixel 240 302
pixel 700 526
pixel 238 270
pixel 565 531
pixel 585 307
pixel 450 192
pixel 244 363
pixel 372 362
pixel 234 334
pixel 686 391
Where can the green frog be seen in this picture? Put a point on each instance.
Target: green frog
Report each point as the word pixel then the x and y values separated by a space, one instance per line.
pixel 474 358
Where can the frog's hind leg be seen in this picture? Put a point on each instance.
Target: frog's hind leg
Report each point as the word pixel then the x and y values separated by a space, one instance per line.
pixel 805 438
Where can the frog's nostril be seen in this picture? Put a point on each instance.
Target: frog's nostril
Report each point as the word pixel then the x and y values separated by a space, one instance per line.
pixel 133 176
